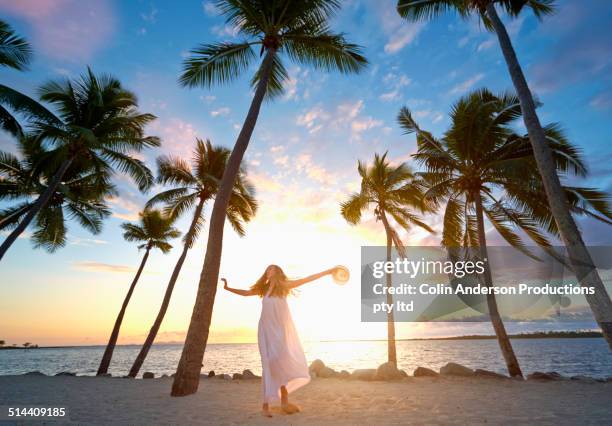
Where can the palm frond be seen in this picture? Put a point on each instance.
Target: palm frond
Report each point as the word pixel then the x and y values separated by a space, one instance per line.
pixel 276 79
pixel 352 209
pixel 216 63
pixel 324 50
pixel 15 51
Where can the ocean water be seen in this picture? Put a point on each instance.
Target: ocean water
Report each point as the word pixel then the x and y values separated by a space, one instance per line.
pixel 580 356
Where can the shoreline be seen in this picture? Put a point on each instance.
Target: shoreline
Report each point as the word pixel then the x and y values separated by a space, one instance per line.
pixel 534 335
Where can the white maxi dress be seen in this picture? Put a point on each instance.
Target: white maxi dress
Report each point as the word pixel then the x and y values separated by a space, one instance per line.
pixel 282 358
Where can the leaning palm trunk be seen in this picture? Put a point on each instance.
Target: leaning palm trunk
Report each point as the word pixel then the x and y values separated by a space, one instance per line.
pixel 498 325
pixel 580 259
pixel 41 202
pixel 112 342
pixel 187 376
pixel 144 351
pixel 391 350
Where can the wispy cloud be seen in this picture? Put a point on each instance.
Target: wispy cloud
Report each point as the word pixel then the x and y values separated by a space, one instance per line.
pixel 220 112
pixel 70 30
pixel 394 82
pixel 86 242
pixel 399 32
pixel 91 266
pixel 466 85
pixel 603 100
pixel 209 8
pixel 347 115
pixel 403 36
pixel 581 51
pixel 151 15
pixel 125 209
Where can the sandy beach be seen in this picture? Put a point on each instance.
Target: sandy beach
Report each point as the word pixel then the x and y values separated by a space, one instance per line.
pixel 423 400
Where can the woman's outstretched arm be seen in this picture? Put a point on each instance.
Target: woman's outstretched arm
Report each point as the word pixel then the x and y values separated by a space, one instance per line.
pixel 237 290
pixel 302 281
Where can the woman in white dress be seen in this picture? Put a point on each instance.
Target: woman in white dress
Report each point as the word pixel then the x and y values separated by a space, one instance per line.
pixel 283 363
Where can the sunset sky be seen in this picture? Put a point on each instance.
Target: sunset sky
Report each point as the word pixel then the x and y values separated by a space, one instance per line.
pixel 302 158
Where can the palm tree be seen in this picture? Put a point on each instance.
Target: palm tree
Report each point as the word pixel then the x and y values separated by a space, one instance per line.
pixel 481 167
pixel 194 187
pixel 98 129
pixel 15 51
pixel 579 257
pixel 297 29
pixel 153 231
pixel 80 197
pixel 395 193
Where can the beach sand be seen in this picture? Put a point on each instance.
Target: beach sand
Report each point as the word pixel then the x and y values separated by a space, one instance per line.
pixel 444 400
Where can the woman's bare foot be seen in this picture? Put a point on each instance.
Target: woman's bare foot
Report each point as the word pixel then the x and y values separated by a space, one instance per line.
pixel 286 406
pixel 289 408
pixel 265 411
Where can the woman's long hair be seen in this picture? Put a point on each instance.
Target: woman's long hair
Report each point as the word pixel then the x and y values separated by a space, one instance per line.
pixel 262 285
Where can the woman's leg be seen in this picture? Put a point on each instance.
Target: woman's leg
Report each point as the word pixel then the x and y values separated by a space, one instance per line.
pixel 286 406
pixel 265 410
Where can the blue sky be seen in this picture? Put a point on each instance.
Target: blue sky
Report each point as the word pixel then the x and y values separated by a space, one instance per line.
pixel 303 154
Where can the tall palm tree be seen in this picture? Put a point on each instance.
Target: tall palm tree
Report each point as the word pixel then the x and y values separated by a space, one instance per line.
pixel 395 193
pixel 80 197
pixel 15 51
pixel 153 232
pixel 481 167
pixel 297 29
pixel 97 129
pixel 579 256
pixel 193 187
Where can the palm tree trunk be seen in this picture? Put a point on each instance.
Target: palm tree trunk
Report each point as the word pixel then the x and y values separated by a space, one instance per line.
pixel 110 347
pixel 144 351
pixel 41 202
pixel 580 259
pixel 391 347
pixel 187 376
pixel 498 325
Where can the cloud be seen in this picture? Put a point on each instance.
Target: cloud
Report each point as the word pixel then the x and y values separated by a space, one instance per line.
pixel 129 210
pixel 390 96
pixel 399 32
pixel 403 37
pixel 487 44
pixel 68 30
pixel 90 266
pixel 360 125
pixel 178 136
pixel 281 161
pixel 264 183
pixel 86 242
pixel 150 17
pixel 602 101
pixel 310 118
pixel 348 115
pixel 209 8
pixel 296 74
pixel 581 51
pixel 220 112
pixel 304 164
pixel 466 85
pixel 224 30
pixel 395 82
